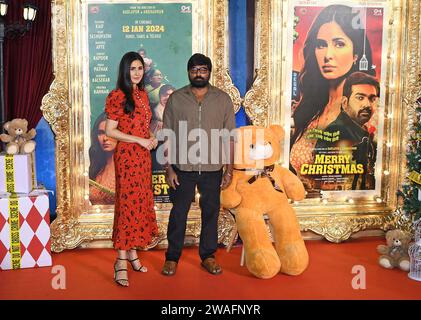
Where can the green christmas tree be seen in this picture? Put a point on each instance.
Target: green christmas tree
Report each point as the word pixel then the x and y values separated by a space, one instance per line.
pixel 411 193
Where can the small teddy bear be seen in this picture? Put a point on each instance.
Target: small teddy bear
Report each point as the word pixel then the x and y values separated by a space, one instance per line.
pixel 395 253
pixel 17 138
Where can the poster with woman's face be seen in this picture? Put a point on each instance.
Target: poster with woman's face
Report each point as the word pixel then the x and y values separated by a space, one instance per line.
pixel 336 99
pixel 161 32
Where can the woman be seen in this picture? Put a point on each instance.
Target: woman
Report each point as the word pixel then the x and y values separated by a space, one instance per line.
pixel 128 119
pixel 101 169
pixel 154 84
pixel 158 111
pixel 333 50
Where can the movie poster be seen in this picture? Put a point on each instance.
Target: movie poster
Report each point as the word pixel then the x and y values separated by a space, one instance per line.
pixel 161 32
pixel 335 105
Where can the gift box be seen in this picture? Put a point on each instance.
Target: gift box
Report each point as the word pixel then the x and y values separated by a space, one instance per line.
pixel 17 173
pixel 25 231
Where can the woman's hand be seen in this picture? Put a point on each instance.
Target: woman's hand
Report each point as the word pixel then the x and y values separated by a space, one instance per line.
pixel 154 139
pixel 155 142
pixel 149 144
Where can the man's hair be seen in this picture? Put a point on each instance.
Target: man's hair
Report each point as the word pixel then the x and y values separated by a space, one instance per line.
pixel 359 78
pixel 199 59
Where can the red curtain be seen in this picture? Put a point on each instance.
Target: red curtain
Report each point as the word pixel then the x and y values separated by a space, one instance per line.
pixel 28 69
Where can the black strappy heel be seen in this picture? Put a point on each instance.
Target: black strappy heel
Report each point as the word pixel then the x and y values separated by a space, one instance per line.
pixel 118 281
pixel 142 268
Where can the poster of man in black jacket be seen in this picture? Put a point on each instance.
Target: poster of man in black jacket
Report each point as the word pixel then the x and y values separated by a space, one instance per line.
pixel 360 96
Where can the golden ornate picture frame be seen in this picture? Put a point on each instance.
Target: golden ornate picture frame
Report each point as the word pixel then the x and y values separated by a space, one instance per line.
pixel 265 104
pixel 77 225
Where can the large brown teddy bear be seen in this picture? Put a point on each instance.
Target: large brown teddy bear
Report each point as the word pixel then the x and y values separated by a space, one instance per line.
pixel 260 186
pixel 17 138
pixel 395 253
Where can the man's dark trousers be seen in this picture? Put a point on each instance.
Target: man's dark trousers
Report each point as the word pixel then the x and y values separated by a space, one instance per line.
pixel 208 184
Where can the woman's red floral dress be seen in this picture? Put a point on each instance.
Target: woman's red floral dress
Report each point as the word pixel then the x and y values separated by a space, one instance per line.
pixel 134 216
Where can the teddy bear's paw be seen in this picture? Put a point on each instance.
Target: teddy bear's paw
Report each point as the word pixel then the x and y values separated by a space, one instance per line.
pixel 294 258
pixel 404 265
pixel 382 249
pixel 385 263
pixel 12 149
pixel 230 200
pixel 263 263
pixel 29 147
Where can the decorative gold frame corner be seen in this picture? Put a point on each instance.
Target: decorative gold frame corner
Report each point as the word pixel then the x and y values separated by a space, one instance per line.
pixel 340 228
pixel 256 100
pixel 55 107
pixel 225 83
pixel 222 78
pixel 256 104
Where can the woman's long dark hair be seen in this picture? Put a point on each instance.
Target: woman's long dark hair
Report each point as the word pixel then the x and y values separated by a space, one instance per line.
pixel 97 156
pixel 314 88
pixel 124 82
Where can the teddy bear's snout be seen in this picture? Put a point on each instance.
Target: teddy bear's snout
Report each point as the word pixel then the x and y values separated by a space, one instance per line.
pixel 261 151
pixel 396 242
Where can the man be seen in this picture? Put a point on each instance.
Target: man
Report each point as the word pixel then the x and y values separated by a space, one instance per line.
pixel 198 109
pixel 142 52
pixel 360 97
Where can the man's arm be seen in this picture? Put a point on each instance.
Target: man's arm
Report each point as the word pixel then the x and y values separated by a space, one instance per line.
pixel 229 124
pixel 168 124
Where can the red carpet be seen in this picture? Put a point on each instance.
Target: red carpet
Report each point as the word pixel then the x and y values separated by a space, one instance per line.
pixel 329 276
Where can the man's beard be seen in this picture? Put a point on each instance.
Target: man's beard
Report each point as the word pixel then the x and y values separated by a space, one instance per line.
pixel 198 82
pixel 364 115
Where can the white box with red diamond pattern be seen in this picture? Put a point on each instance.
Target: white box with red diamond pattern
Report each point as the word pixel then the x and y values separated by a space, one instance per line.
pixel 34 231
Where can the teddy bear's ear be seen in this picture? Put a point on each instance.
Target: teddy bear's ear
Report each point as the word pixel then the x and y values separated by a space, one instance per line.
pixel 6 126
pixel 278 130
pixel 389 235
